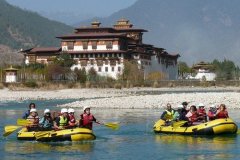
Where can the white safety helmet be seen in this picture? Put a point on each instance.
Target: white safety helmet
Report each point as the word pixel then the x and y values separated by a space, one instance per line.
pixel 180 106
pixel 85 107
pixel 70 110
pixel 201 105
pixel 46 111
pixel 33 110
pixel 64 110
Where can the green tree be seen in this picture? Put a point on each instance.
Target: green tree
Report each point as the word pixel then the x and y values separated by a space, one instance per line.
pixel 81 75
pixel 64 60
pixel 92 74
pixel 132 73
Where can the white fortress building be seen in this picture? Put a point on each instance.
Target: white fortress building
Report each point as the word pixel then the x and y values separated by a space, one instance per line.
pixel 106 48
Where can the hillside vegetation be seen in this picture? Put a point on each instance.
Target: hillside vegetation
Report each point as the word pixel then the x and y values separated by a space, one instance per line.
pixel 23 29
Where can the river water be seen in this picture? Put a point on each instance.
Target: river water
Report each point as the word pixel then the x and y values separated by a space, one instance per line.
pixel 134 139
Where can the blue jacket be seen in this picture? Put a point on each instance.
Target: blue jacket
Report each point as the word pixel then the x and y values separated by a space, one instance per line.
pixel 26 114
pixel 46 123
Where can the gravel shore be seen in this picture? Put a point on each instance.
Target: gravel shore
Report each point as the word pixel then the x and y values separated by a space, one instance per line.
pixel 141 98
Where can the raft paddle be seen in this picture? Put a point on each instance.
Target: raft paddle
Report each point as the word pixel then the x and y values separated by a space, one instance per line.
pixel 10 129
pixel 39 135
pixel 113 125
pixel 178 124
pixel 23 122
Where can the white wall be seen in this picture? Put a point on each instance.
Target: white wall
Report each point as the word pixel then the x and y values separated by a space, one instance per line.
pixel 99 48
pixel 114 74
pixel 11 78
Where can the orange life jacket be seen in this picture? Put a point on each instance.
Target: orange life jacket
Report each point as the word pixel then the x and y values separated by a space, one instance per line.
pixel 87 120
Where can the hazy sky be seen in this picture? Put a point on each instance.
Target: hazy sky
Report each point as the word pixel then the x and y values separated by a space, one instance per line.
pixel 72 11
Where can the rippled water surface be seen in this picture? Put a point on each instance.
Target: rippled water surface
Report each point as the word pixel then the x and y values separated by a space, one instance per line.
pixel 134 140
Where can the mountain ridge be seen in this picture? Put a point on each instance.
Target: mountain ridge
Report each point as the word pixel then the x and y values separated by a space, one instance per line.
pixel 198 30
pixel 24 29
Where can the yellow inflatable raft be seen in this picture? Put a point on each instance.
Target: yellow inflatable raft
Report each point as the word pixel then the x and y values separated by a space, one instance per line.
pixel 215 127
pixel 76 134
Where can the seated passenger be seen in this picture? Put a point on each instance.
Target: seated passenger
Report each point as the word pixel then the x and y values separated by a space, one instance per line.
pixel 167 115
pixel 183 112
pixel 222 112
pixel 72 120
pixel 46 122
pixel 212 113
pixel 202 115
pixel 27 113
pixel 33 117
pixel 192 115
pixel 61 122
pixel 87 119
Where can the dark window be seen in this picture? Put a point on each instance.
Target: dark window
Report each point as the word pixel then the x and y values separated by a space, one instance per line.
pixel 85 45
pixel 94 45
pixel 109 45
pixel 112 69
pixel 106 69
pixel 91 55
pixel 119 69
pixel 92 62
pixel 99 69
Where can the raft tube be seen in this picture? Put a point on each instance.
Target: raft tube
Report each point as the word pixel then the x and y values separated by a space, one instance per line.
pixel 76 134
pixel 215 127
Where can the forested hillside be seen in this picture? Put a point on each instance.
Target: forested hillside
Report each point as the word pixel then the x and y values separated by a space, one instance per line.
pixel 23 29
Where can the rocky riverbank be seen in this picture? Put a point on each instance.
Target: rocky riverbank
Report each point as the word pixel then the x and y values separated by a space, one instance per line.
pixel 131 98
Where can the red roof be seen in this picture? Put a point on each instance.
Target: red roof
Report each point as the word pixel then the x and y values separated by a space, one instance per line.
pixel 46 49
pixel 96 51
pixel 43 49
pixel 93 35
pixel 131 30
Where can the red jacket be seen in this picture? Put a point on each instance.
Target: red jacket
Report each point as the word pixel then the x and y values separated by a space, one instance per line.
pixel 194 117
pixel 72 120
pixel 222 114
pixel 86 120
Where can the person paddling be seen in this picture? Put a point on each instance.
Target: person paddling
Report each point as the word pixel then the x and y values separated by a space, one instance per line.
pixel 46 122
pixel 222 112
pixel 192 115
pixel 87 119
pixel 61 122
pixel 183 111
pixel 212 113
pixel 202 113
pixel 27 113
pixel 33 117
pixel 72 120
pixel 167 115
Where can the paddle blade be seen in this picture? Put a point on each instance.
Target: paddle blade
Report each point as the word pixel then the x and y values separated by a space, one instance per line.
pixel 23 122
pixel 113 126
pixel 39 135
pixel 178 124
pixel 10 129
pixel 159 123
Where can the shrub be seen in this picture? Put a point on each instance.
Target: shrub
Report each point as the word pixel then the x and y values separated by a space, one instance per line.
pixel 31 84
pixel 1 86
pixel 118 86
